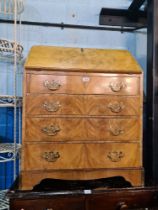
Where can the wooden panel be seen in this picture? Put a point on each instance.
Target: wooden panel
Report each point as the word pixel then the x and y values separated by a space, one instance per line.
pixel 46 156
pixel 31 178
pixel 113 155
pixel 119 199
pixel 61 104
pixel 113 105
pixel 86 84
pixel 82 129
pixel 60 156
pixel 75 203
pixel 93 60
pixel 106 199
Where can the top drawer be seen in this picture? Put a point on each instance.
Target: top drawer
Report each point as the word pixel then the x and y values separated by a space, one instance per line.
pixel 84 84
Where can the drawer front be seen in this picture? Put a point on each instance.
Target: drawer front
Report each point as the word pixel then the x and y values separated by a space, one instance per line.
pixel 31 178
pixel 113 105
pixel 61 104
pixel 71 84
pixel 45 156
pixel 55 104
pixel 82 129
pixel 113 155
pixel 47 203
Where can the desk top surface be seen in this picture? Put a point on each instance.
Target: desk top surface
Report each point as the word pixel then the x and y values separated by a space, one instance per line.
pixel 81 59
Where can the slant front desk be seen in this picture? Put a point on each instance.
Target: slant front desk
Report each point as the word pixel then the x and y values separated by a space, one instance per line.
pixel 82 115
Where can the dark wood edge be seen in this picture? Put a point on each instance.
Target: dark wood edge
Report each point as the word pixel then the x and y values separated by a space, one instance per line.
pixel 25 194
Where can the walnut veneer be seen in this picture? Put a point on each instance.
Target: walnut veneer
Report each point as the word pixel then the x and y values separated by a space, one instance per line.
pixel 82 116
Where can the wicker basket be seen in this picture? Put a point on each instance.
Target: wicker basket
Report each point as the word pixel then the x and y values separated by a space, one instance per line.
pixel 9 48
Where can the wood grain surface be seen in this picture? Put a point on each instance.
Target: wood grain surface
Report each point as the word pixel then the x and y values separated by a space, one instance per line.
pixel 84 84
pixel 82 129
pixel 31 178
pixel 79 59
pixel 82 115
pixel 64 104
pixel 81 156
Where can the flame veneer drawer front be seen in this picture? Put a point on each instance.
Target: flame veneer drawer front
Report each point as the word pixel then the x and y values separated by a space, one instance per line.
pixel 113 155
pixel 113 105
pixel 46 156
pixel 62 104
pixel 84 84
pixel 55 104
pixel 82 129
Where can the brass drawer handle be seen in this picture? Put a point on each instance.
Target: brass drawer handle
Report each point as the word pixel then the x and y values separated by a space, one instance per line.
pixel 53 85
pixel 117 86
pixel 51 156
pixel 116 131
pixel 49 209
pixel 115 156
pixel 51 107
pixel 122 205
pixel 51 130
pixel 116 107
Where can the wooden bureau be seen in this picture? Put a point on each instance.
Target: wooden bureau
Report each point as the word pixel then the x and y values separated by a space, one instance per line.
pixel 82 115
